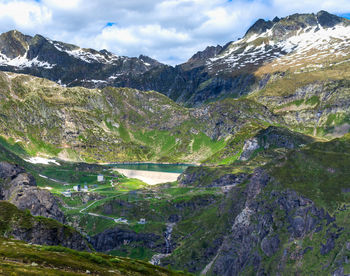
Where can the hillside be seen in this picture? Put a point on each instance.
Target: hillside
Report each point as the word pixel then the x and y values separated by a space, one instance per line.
pixel 117 124
pixel 19 258
pixel 289 216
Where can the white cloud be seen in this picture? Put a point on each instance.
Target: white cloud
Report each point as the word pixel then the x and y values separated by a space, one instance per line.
pixel 63 4
pixel 168 30
pixel 24 14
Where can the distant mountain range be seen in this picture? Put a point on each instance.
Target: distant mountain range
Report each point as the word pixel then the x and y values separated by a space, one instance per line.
pixel 297 43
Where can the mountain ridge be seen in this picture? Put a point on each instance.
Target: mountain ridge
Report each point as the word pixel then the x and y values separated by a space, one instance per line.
pixel 233 70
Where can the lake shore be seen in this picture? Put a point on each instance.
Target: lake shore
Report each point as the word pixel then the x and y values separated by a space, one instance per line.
pixel 151 162
pixel 149 177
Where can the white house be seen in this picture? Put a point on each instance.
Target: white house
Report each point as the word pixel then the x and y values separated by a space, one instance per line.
pixel 67 193
pixel 120 220
pixel 85 189
pixel 76 188
pixel 100 178
pixel 142 221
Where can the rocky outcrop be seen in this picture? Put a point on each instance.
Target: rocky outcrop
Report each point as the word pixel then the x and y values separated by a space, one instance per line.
pixel 256 231
pixel 116 237
pixel 322 106
pixel 274 137
pixel 207 177
pixel 42 233
pixel 250 146
pixel 19 188
pixel 271 226
pixel 38 230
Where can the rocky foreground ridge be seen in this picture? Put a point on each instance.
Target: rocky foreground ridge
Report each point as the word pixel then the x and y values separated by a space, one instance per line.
pixel 19 188
pixel 32 214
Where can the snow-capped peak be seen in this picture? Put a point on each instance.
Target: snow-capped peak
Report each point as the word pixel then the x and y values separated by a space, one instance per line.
pixel 313 43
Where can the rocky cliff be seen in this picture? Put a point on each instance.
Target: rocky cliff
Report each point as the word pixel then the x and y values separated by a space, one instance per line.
pixel 116 237
pixel 21 225
pixel 19 188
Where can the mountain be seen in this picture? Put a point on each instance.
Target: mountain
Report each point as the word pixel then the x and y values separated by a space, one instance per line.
pixel 269 49
pixel 67 64
pixel 117 124
pixel 295 44
pixel 39 117
pixel 271 193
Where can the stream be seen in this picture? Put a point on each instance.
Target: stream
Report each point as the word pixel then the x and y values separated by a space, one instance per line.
pixel 167 236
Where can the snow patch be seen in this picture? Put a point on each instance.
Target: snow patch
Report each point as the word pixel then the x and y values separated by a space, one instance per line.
pixel 293 50
pixel 41 160
pixel 23 62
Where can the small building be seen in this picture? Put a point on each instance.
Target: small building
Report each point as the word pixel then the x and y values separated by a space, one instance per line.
pixel 142 221
pixel 100 178
pixel 77 188
pixel 67 193
pixel 120 220
pixel 85 189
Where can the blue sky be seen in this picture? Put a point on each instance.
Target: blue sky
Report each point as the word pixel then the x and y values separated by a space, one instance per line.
pixel 170 31
pixel 346 15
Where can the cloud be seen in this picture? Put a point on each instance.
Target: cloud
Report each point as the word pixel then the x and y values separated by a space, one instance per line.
pixel 168 30
pixel 23 14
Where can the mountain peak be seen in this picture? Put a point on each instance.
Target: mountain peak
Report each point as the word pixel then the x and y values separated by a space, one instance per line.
pixel 209 52
pixel 276 19
pixel 13 43
pixel 149 61
pixel 283 26
pixel 259 27
pixel 328 20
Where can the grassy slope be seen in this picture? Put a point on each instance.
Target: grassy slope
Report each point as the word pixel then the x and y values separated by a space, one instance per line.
pixel 319 172
pixel 315 103
pixel 112 124
pixel 116 124
pixel 19 258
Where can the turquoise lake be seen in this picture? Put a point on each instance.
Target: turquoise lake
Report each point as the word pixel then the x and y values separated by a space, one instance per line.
pixel 171 168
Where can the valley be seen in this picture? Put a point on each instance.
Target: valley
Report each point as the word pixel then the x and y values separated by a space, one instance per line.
pixel 233 163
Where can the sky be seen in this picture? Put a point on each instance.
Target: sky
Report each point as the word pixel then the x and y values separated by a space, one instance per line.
pixel 170 31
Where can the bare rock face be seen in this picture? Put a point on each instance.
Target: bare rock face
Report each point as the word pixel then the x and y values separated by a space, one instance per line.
pixel 249 147
pixel 269 245
pixel 23 226
pixel 19 188
pixel 116 237
pixel 266 222
pixel 256 226
pixel 42 233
